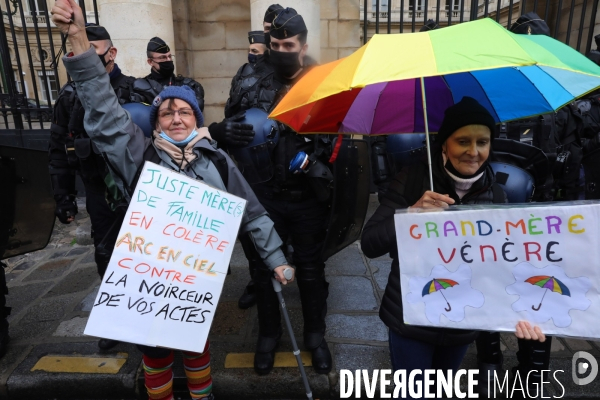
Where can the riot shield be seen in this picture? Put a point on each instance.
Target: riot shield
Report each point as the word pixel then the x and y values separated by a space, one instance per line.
pixel 27 201
pixel 352 171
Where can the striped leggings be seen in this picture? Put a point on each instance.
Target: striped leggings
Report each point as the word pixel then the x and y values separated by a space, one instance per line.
pixel 158 373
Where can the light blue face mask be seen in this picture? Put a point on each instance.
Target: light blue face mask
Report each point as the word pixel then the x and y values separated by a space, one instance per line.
pixel 181 143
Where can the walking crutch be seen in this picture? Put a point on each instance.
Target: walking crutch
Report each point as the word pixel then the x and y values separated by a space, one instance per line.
pixel 288 274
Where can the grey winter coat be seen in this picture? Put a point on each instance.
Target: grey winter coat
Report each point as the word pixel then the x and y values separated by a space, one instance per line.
pixel 122 143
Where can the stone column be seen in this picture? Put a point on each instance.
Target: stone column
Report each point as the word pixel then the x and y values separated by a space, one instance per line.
pixel 310 11
pixel 131 24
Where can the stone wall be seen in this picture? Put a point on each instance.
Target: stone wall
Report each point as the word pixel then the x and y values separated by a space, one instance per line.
pixel 211 41
pixel 340 28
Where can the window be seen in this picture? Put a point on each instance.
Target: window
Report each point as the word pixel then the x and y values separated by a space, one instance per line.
pixel 452 5
pixel 53 86
pixel 18 81
pixel 37 7
pixel 383 5
pixel 416 5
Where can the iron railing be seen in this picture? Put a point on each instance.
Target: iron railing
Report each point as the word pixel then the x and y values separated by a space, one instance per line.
pixel 401 16
pixel 29 42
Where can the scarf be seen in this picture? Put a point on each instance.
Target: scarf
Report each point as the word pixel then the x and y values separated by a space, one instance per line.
pixel 181 156
pixel 463 184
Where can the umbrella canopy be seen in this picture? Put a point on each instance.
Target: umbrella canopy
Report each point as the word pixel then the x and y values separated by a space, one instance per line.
pixel 550 283
pixel 377 89
pixel 437 284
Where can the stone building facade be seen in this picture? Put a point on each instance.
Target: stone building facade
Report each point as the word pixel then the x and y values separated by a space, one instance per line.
pixel 209 36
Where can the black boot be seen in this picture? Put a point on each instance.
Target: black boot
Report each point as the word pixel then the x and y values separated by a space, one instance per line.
pixel 269 322
pixel 489 362
pixel 314 291
pixel 321 356
pixel 265 353
pixel 248 299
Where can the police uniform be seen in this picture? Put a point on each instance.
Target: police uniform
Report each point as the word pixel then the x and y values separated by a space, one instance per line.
pixel 144 90
pixel 243 93
pixel 299 207
pixel 71 151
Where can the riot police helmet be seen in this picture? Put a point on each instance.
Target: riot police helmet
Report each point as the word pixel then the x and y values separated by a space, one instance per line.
pixel 254 159
pixel 140 115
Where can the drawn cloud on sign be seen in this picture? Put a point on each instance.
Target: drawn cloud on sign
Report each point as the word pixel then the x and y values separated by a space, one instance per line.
pixel 548 293
pixel 445 292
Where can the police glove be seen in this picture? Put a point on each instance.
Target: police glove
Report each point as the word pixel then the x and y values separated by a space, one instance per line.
pixel 66 207
pixel 231 132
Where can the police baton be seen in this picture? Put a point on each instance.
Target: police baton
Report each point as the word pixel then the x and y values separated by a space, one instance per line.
pixel 288 273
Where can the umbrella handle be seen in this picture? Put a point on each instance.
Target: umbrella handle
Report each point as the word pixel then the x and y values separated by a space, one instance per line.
pixel 540 305
pixel 449 307
pixel 427 135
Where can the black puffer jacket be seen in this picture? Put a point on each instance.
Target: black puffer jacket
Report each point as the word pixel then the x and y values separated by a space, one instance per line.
pixel 379 238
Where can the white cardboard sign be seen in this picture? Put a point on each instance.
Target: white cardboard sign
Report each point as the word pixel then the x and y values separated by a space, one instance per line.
pixel 489 267
pixel 166 273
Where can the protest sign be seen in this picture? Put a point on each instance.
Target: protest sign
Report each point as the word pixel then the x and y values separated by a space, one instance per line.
pixel 487 267
pixel 169 264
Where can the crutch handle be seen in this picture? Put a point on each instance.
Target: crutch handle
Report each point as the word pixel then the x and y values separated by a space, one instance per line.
pixel 288 273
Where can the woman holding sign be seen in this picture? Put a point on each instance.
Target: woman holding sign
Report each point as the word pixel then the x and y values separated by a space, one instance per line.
pixel 461 175
pixel 178 143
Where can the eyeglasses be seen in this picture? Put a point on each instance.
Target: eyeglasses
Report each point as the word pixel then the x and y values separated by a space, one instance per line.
pixel 166 57
pixel 184 113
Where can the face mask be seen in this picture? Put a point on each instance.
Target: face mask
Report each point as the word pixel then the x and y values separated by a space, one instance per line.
pixel 252 58
pixel 166 68
pixel 102 60
pixel 286 64
pixel 180 143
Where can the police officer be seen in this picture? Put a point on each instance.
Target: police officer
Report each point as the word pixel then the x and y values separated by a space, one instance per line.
pixel 162 73
pixel 242 94
pixel 71 151
pixel 297 204
pixel 270 15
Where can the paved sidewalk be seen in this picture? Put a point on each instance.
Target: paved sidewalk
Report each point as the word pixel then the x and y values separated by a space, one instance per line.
pixel 52 291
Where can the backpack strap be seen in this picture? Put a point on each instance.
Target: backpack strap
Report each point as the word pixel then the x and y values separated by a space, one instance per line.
pixel 498 194
pixel 220 162
pixel 151 155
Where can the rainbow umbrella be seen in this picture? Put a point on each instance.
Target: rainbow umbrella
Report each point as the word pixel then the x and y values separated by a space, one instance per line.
pixel 436 285
pixel 548 283
pixel 394 81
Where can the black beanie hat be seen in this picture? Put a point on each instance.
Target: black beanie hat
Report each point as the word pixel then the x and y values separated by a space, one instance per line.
pixel 468 111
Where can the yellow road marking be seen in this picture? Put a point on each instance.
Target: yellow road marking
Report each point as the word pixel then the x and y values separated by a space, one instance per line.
pixel 81 364
pixel 282 360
